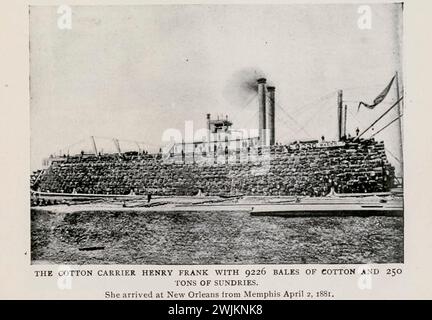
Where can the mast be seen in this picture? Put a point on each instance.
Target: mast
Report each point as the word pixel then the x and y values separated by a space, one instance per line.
pixel 139 148
pixel 94 146
pixel 345 121
pixel 117 145
pixel 339 102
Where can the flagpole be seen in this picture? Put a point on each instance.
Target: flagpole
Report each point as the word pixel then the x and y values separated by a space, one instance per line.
pixel 400 122
pixel 339 114
pixel 398 105
pixel 399 109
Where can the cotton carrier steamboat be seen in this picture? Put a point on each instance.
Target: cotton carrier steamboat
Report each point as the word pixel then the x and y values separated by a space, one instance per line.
pixel 223 165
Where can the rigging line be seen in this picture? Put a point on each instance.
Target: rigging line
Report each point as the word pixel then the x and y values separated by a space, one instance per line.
pixel 280 119
pixel 268 99
pixel 355 118
pixel 251 117
pixel 315 115
pixel 292 119
pixel 390 153
pixel 136 141
pixel 379 118
pixel 302 108
pixel 365 87
pixel 322 98
pixel 288 127
pixel 104 138
pixel 386 125
pixel 126 140
pixel 242 121
pixel 319 104
pixel 248 102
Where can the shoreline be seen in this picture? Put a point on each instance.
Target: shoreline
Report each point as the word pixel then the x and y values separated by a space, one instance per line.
pixel 256 206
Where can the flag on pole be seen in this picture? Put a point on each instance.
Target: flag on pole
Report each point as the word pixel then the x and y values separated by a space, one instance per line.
pixel 378 99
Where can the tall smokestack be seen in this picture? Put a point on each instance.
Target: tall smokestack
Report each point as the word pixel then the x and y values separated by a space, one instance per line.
pixel 262 109
pixel 271 115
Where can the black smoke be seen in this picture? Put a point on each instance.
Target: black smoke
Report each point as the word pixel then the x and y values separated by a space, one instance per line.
pixel 242 86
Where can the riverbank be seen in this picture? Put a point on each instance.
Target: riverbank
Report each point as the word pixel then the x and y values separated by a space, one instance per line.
pixel 364 205
pixel 219 237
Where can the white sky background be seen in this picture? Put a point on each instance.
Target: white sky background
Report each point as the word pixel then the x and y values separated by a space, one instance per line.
pixel 131 72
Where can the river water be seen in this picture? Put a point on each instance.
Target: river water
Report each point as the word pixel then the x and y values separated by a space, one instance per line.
pixel 127 237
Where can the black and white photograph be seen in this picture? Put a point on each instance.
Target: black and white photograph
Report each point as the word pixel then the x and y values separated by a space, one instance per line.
pixel 232 134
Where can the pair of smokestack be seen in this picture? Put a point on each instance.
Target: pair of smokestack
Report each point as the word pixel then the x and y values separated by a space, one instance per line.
pixel 266 115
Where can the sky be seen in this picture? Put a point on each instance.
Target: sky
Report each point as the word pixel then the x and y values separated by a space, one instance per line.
pixel 131 72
